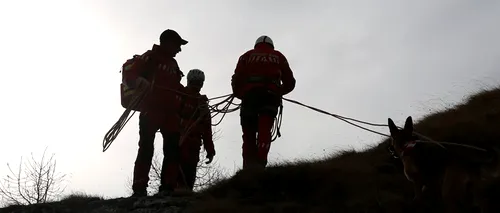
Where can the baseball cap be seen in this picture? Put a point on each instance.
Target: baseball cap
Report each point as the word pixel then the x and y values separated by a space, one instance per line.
pixel 173 36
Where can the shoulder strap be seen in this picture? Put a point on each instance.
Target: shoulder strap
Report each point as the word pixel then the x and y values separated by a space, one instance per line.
pixel 150 63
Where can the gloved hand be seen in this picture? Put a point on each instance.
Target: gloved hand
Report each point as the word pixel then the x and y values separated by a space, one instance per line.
pixel 210 157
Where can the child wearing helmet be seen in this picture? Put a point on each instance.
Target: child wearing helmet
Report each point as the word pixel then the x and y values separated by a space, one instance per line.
pixel 196 126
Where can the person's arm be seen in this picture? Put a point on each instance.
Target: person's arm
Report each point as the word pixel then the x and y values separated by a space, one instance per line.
pixel 207 135
pixel 237 76
pixel 287 77
pixel 180 74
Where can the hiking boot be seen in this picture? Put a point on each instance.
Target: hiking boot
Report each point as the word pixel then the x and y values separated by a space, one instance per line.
pixel 165 190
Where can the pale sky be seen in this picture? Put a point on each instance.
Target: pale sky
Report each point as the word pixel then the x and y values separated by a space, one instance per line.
pixel 364 59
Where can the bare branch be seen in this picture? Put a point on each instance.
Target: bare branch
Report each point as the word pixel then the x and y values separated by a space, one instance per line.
pixel 37 182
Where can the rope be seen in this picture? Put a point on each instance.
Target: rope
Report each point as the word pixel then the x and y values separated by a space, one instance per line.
pixel 222 96
pixel 118 126
pixel 345 119
pixel 111 135
pixel 275 130
pixel 225 109
pixel 454 144
pixel 226 104
pixel 115 130
pixel 427 139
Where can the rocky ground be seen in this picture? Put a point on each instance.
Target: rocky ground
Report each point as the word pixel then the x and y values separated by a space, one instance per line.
pixel 151 204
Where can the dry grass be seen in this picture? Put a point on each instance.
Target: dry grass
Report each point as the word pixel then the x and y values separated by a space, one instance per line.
pixel 79 198
pixel 367 181
pixel 76 201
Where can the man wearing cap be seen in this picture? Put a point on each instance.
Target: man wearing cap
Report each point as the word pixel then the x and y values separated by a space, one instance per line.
pixel 159 110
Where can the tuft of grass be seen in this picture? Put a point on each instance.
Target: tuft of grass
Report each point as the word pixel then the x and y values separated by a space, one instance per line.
pixel 79 198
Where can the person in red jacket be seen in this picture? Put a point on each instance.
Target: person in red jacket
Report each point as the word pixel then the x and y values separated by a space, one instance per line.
pixel 196 127
pixel 262 76
pixel 158 72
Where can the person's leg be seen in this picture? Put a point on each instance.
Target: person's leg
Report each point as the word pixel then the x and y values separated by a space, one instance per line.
pixel 189 171
pixel 188 156
pixel 248 121
pixel 268 109
pixel 147 131
pixel 184 154
pixel 170 166
pixel 181 179
pixel 171 154
pixel 264 138
pixel 191 164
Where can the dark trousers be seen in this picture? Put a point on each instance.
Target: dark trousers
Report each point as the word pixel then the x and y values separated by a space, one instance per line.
pixel 258 111
pixel 187 175
pixel 149 124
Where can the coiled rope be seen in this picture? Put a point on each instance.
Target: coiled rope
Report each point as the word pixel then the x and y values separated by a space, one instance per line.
pixel 115 130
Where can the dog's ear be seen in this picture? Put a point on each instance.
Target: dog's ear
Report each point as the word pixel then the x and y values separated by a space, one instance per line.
pixel 409 124
pixel 392 127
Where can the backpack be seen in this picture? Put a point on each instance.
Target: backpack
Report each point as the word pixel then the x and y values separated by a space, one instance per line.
pixel 130 98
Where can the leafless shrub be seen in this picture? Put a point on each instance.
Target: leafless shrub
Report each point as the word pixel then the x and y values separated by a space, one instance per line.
pixel 37 182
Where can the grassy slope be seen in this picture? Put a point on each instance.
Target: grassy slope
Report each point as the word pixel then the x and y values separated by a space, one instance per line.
pixel 368 181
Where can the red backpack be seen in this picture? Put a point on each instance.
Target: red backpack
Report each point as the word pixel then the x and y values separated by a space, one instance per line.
pixel 130 98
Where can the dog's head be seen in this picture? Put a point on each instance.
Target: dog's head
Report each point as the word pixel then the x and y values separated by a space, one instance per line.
pixel 402 141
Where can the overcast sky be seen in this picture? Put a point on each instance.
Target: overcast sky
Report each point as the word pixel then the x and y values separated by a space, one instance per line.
pixel 364 59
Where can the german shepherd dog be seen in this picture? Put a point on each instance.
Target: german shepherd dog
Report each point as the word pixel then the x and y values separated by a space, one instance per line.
pixel 449 173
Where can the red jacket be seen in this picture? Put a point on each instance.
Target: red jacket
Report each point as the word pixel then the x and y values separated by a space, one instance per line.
pixel 194 106
pixel 262 67
pixel 164 72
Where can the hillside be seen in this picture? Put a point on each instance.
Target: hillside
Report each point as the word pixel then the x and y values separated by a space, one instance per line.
pixel 349 181
pixel 367 181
